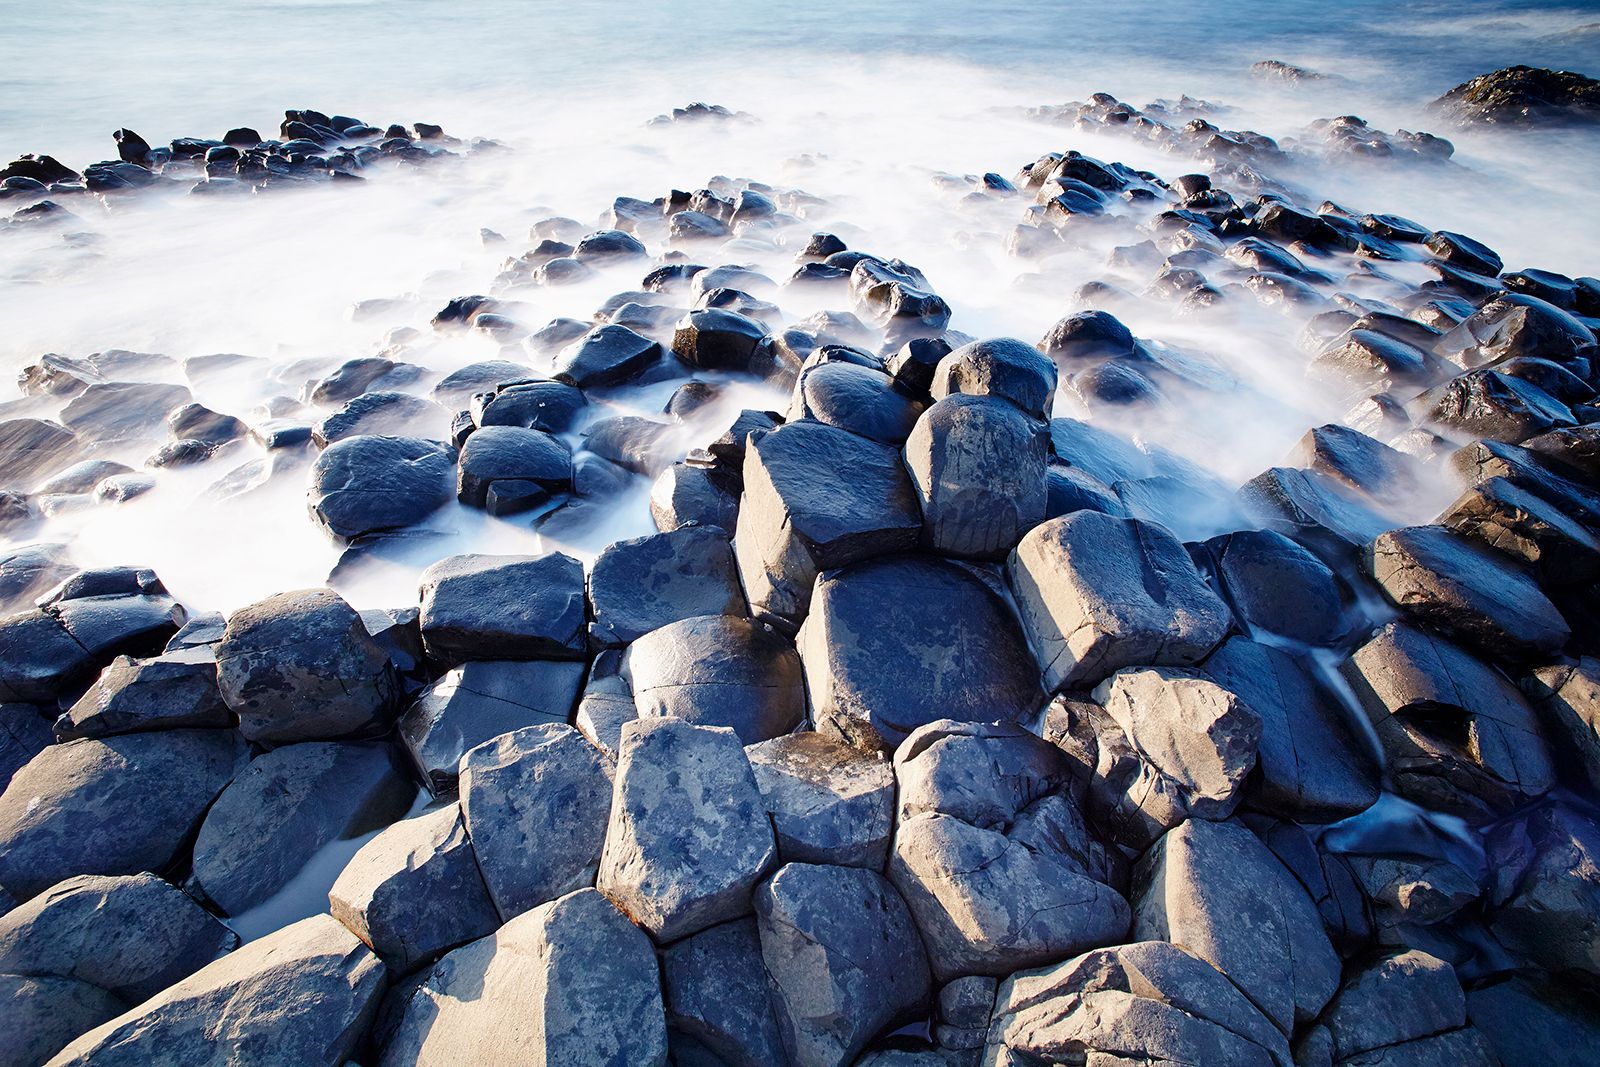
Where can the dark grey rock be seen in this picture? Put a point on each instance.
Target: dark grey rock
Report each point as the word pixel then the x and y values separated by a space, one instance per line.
pixel 286 805
pixel 43 1014
pixel 553 407
pixel 1311 507
pixel 714 339
pixel 1567 699
pixel 385 414
pixel 24 733
pixel 1003 367
pixel 1530 531
pixel 301 666
pixel 829 802
pixel 1276 586
pixel 82 477
pixel 66 812
pixel 28 572
pixel 503 607
pixel 689 495
pixel 639 585
pixel 536 802
pixel 523 466
pixel 122 411
pixel 715 989
pixel 196 422
pixel 894 643
pixel 855 398
pixel 1486 403
pixel 688 837
pixel 607 355
pixel 1396 1002
pixel 606 705
pixel 1545 1021
pixel 718 670
pixel 479 701
pixel 1545 887
pixel 369 484
pixel 172 691
pixel 1363 464
pixel 643 446
pixel 1367 361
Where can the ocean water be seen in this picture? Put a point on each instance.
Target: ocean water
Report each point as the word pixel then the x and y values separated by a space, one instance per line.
pixel 865 104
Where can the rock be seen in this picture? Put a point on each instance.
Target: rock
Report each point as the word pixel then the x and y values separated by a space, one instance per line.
pixel 1486 403
pixel 1369 361
pixel 842 957
pixel 688 495
pixel 829 803
pixel 49 653
pixel 65 813
pixel 1566 697
pixel 645 583
pixel 1522 96
pixel 122 411
pixel 978 465
pixel 1003 367
pixel 643 446
pixel 132 936
pixel 24 733
pixel 1498 514
pixel 383 413
pixel 503 607
pixel 688 837
pixel 414 891
pixel 553 407
pixel 1513 325
pixel 303 994
pixel 714 339
pixel 1089 336
pixel 172 691
pixel 479 701
pixel 301 666
pixel 1465 591
pixel 43 1014
pixel 1275 586
pixel 852 397
pixel 1217 891
pixel 28 572
pixel 506 469
pixel 816 497
pixel 1396 1002
pixel 570 982
pixel 1313 763
pixel 1457 735
pixel 1148 1002
pixel 606 705
pixel 897 298
pixel 954 768
pixel 39 660
pixel 1313 508
pixel 715 989
pixel 1097 593
pixel 1545 888
pixel 1369 467
pixel 718 670
pixel 1547 1022
pixel 196 422
pixel 894 643
pixel 606 355
pixel 536 801
pixel 82 477
pixel 284 807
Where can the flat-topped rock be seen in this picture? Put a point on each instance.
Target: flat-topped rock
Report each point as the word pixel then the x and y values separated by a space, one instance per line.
pixel 645 583
pixel 719 670
pixel 503 607
pixel 829 802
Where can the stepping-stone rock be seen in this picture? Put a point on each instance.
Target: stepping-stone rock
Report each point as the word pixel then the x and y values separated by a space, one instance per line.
pixel 855 398
pixel 688 837
pixel 132 936
pixel 1001 367
pixel 689 495
pixel 719 670
pixel 385 414
pixel 817 497
pixel 301 666
pixel 645 583
pixel 715 992
pixel 572 981
pixel 1313 508
pixel 607 704
pixel 1361 463
pixel 1215 889
pixel 550 406
pixel 196 422
pixel 303 994
pixel 1276 586
pixel 116 610
pixel 44 1013
pixel 503 607
pixel 1509 325
pixel 715 339
pixel 523 467
pixel 68 811
pixel 1148 1002
pixel 894 643
pixel 1544 899
pixel 39 660
pixel 953 768
pixel 1097 593
pixel 284 807
pixel 607 355
pixel 1567 699
pixel 1367 361
pixel 82 477
pixel 172 691
pixel 457 387
pixel 414 891
pixel 842 957
pixel 536 803
pixel 479 701
pixel 978 465
pixel 1525 527
pixel 30 571
pixel 829 802
pixel 1313 763
pixel 1467 592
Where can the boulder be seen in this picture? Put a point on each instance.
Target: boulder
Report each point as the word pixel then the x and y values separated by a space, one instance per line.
pixel 506 469
pixel 842 958
pixel 396 415
pixel 173 691
pixel 1545 1021
pixel 301 666
pixel 550 406
pixel 571 981
pixel 1215 889
pixel 67 811
pixel 1002 367
pixel 715 992
pixel 304 994
pixel 1097 593
pixel 1532 532
pixel 1522 96
pixel 1486 403
pixel 132 936
pixel 1566 697
pixel 985 774
pixel 643 446
pixel 689 495
pixel 897 642
pixel 44 1013
pixel 1467 592
pixel 688 836
pixel 714 339
pixel 33 449
pixel 978 465
pixel 122 411
pixel 536 803
pixel 817 497
pixel 1397 1002
pixel 645 583
pixel 24 733
pixel 284 807
pixel 479 701
pixel 1361 463
pixel 503 607
pixel 1456 734
pixel 1148 1002
pixel 852 397
pixel 1276 586
pixel 829 802
pixel 606 705
pixel 607 355
pixel 414 891
pixel 719 670
pixel 1313 508
pixel 1544 891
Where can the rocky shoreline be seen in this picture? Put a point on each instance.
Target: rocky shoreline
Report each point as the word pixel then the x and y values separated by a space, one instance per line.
pixel 931 728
